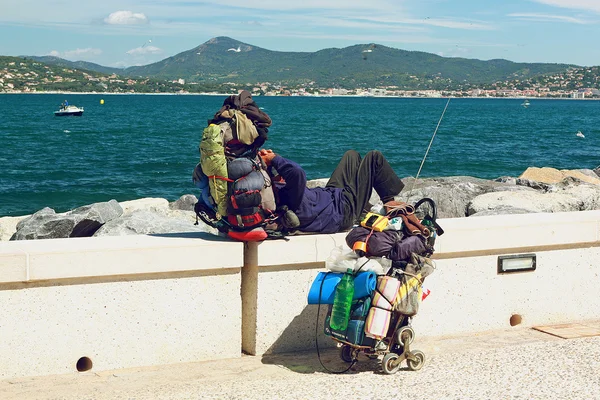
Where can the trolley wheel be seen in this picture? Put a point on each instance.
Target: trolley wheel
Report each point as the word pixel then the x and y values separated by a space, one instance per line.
pixel 346 353
pixel 406 333
pixel 418 361
pixel 390 363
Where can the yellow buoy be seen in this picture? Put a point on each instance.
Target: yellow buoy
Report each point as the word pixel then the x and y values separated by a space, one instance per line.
pixel 101 101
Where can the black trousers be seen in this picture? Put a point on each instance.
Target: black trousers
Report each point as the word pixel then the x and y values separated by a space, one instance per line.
pixel 358 177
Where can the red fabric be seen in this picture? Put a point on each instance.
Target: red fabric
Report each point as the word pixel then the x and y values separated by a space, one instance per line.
pixel 255 235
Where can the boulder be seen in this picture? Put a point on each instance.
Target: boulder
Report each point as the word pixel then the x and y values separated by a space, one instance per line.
pixel 143 222
pixel 185 202
pixel 80 222
pixel 528 201
pixel 588 194
pixel 148 203
pixel 553 175
pixel 452 194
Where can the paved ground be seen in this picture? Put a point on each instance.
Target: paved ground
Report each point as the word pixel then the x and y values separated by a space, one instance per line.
pixel 514 364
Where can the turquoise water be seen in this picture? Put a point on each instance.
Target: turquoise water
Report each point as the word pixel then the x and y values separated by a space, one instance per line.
pixel 136 146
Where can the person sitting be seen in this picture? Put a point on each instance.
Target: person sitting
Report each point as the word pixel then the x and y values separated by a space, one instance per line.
pixel 339 205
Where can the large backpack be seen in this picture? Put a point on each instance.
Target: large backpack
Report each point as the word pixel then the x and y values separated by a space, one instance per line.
pixel 237 195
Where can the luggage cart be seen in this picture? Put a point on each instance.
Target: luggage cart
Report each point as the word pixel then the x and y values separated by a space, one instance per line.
pixel 395 347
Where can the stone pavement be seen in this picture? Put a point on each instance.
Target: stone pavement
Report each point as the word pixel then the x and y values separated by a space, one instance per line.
pixel 514 364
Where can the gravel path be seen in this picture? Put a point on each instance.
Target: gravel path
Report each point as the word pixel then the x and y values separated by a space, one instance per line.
pixel 514 364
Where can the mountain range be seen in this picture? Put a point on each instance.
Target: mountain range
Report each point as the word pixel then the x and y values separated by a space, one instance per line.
pixel 223 59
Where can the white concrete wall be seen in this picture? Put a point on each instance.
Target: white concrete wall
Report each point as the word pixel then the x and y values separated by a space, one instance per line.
pixel 150 300
pixel 467 293
pixel 119 301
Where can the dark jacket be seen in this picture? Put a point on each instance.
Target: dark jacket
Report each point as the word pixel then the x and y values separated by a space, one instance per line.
pixel 320 210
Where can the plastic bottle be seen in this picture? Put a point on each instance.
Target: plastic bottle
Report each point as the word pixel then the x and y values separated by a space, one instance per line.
pixel 342 301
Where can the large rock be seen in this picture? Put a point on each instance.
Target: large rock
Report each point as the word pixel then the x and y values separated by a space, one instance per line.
pixel 553 175
pixel 524 201
pixel 452 194
pixel 185 203
pixel 148 222
pixel 81 222
pixel 147 203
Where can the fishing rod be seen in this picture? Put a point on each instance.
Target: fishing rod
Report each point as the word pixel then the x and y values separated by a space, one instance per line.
pixel 428 147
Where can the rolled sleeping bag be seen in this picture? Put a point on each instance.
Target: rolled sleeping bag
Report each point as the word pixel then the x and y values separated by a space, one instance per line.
pixel 253 181
pixel 364 285
pixel 377 323
pixel 239 167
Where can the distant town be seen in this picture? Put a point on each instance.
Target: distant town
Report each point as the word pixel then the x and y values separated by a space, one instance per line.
pixel 34 77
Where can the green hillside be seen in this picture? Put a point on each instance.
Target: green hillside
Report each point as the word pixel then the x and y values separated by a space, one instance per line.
pixel 363 65
pixel 88 66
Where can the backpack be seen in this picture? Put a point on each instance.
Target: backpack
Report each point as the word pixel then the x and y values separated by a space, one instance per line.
pixel 237 194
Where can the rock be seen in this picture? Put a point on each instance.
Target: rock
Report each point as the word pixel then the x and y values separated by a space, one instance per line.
pixel 317 183
pixel 504 210
pixel 148 203
pixel 553 175
pixel 530 201
pixel 81 222
pixel 43 224
pixel 588 194
pixel 185 202
pixel 150 222
pixel 546 187
pixel 452 194
pixel 90 218
pixel 183 215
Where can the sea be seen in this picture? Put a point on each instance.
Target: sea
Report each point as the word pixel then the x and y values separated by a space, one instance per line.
pixel 127 147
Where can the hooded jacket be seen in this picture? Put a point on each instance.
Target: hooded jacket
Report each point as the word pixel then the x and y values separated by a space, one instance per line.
pixel 320 210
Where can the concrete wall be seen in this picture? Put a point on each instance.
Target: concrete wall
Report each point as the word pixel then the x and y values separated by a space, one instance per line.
pixel 467 293
pixel 119 302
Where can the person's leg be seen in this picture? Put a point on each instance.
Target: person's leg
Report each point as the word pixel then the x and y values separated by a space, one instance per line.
pixel 345 173
pixel 376 173
pixel 345 177
pixel 358 177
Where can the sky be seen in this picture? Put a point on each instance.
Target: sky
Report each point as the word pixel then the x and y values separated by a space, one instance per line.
pixel 122 33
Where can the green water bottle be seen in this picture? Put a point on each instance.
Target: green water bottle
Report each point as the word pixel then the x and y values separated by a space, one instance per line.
pixel 342 301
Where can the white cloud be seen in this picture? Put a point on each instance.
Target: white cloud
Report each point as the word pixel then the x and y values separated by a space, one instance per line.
pixel 82 52
pixel 547 18
pixel 143 50
pixel 126 18
pixel 77 54
pixel 587 5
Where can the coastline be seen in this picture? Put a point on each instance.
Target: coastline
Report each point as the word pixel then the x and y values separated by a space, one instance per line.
pixel 306 96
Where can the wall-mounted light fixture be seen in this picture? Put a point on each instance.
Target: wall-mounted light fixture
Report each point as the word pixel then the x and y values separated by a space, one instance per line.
pixel 516 263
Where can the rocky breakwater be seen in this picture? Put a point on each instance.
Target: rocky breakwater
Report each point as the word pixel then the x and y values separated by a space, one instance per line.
pixel 537 190
pixel 143 216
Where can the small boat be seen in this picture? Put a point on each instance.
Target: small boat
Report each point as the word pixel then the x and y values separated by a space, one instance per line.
pixel 525 103
pixel 579 134
pixel 69 110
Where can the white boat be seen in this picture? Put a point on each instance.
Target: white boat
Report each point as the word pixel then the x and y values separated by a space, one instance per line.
pixel 579 134
pixel 525 103
pixel 69 110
